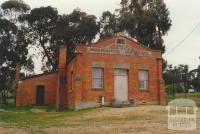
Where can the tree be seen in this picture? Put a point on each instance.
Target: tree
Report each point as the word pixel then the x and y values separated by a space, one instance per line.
pixel 76 27
pixel 144 20
pixel 195 78
pixel 13 8
pixel 108 24
pixel 149 21
pixel 42 23
pixel 172 75
pixel 10 54
pixel 162 22
pixel 49 30
pixel 13 48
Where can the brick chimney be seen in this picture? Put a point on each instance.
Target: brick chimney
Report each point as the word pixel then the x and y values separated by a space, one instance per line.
pixel 61 95
pixel 62 57
pixel 17 72
pixel 17 77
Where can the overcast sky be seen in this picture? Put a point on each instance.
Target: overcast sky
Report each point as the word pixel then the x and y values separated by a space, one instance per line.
pixel 185 15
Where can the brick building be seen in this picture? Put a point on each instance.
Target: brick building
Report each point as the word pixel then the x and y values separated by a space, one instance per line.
pixel 117 69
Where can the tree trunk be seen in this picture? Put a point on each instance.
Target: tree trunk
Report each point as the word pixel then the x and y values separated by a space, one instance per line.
pixel 47 53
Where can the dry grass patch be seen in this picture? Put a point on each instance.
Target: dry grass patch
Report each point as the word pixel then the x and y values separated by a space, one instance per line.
pixel 131 120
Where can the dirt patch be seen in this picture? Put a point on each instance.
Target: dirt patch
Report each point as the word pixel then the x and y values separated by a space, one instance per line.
pixel 131 120
pixel 11 130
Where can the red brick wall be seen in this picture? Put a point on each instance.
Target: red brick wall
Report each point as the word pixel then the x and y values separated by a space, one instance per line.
pixel 79 78
pixel 85 93
pixel 92 95
pixel 26 92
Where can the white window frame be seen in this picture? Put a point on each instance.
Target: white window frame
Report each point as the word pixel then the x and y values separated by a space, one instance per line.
pixel 98 77
pixel 144 81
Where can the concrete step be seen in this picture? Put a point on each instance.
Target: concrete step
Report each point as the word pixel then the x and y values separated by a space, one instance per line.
pixel 116 103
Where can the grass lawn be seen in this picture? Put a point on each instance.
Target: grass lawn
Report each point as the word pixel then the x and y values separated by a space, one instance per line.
pixel 142 119
pixel 193 96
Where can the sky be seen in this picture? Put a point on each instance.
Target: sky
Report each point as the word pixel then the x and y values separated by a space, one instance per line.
pixel 185 15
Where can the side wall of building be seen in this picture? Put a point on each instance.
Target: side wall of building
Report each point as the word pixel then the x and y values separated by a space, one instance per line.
pixel 26 92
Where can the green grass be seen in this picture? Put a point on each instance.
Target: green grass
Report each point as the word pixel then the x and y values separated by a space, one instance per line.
pixel 193 96
pixel 42 116
pixel 26 116
pixel 81 121
pixel 10 103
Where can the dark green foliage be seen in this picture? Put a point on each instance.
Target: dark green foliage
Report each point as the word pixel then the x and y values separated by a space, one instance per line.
pixel 182 76
pixel 108 24
pixel 16 5
pixel 13 47
pixel 146 21
pixel 13 8
pixel 195 78
pixel 176 87
pixel 42 23
pixel 172 75
pixel 12 50
pixel 49 30
pixel 76 27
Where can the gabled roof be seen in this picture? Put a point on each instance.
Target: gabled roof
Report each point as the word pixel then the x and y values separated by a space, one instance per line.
pixel 110 46
pixel 105 42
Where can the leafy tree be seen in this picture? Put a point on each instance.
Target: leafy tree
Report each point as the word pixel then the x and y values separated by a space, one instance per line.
pixel 176 78
pixel 144 20
pixel 13 8
pixel 109 24
pixel 13 48
pixel 147 21
pixel 76 27
pixel 182 76
pixel 10 54
pixel 172 74
pixel 49 30
pixel 42 23
pixel 195 78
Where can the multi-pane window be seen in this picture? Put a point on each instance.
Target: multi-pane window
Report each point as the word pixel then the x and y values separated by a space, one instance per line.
pixel 97 78
pixel 143 79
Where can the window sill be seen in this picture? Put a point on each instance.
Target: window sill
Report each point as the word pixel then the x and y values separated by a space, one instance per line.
pixel 143 90
pixel 97 89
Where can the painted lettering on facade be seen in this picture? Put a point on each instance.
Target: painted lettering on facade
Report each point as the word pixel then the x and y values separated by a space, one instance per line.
pixel 121 49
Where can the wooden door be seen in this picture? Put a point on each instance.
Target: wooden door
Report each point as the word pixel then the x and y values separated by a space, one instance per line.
pixel 40 95
pixel 121 84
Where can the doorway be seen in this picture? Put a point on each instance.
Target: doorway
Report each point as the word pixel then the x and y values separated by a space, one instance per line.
pixel 40 95
pixel 121 85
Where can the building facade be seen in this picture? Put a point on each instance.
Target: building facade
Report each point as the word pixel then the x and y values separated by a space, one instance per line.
pixel 117 69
